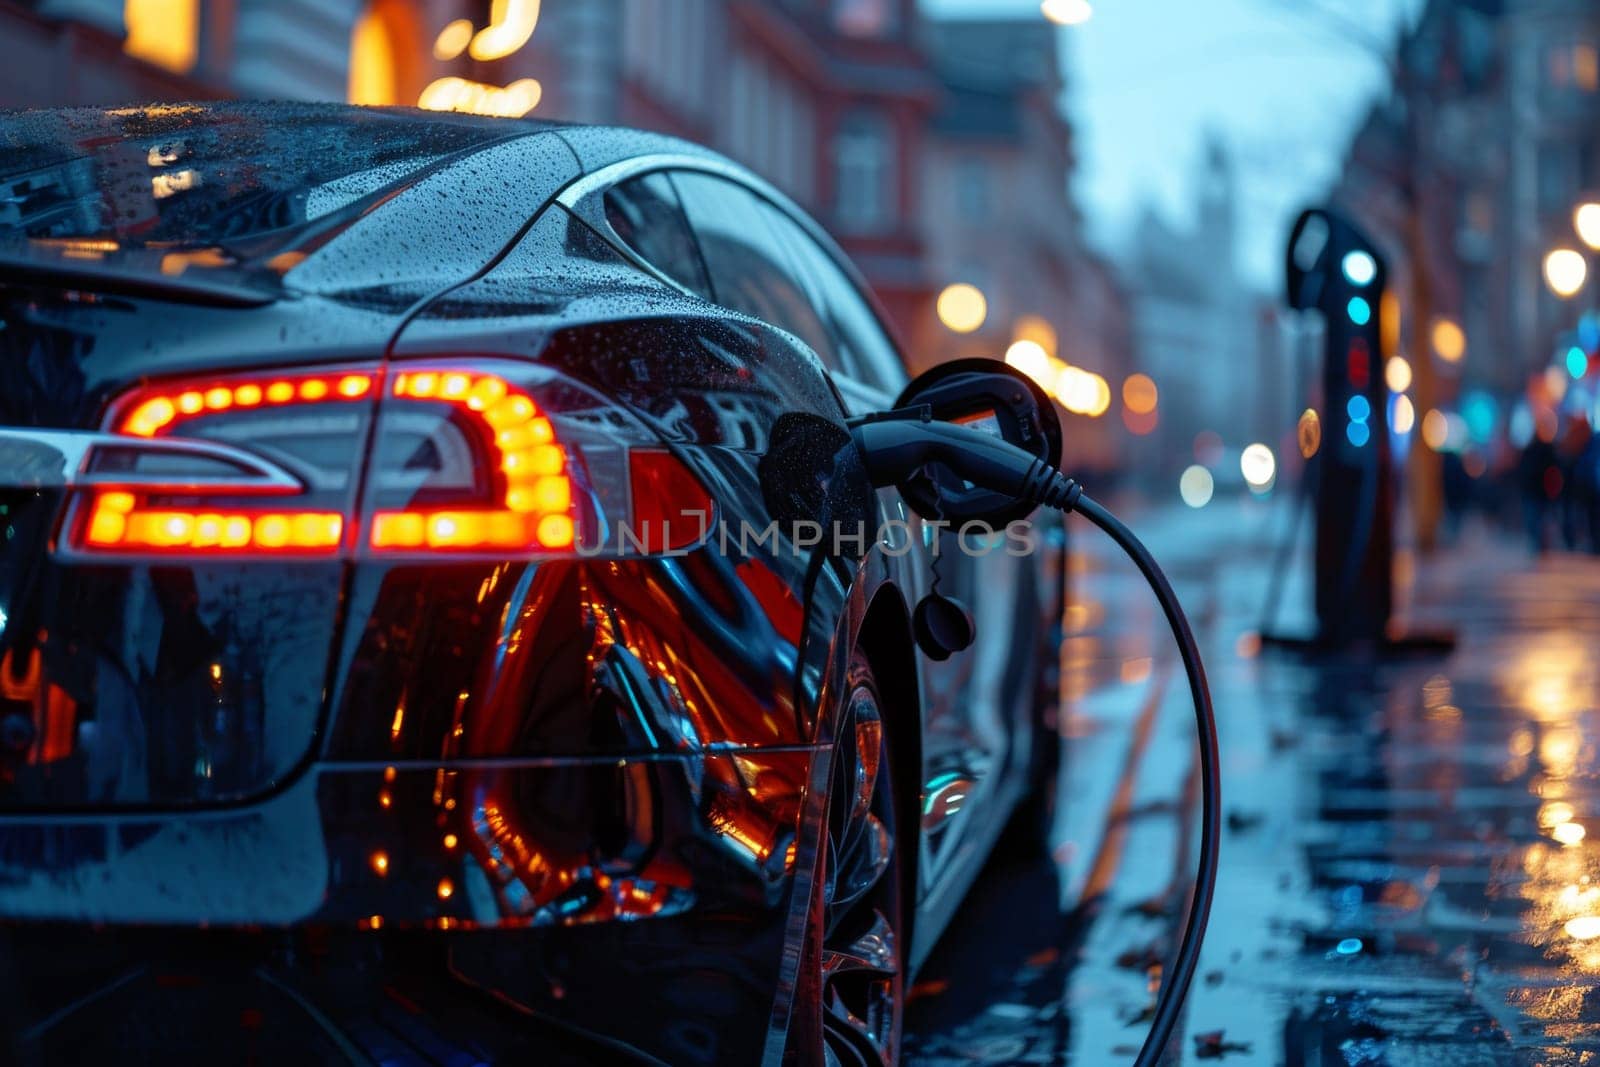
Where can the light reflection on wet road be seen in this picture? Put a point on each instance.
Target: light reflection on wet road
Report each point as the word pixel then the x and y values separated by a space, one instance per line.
pixel 1409 875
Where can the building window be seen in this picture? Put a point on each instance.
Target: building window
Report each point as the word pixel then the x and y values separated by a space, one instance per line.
pixel 865 18
pixel 864 172
pixel 163 32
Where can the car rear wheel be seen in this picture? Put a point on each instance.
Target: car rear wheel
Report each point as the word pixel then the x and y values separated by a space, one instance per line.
pixel 850 996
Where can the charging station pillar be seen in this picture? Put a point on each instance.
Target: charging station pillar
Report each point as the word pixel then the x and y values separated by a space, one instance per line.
pixel 1333 268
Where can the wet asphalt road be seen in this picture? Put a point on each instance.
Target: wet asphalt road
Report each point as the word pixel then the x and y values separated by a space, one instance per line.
pixel 1406 875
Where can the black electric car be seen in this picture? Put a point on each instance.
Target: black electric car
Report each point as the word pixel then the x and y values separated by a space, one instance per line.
pixel 413 646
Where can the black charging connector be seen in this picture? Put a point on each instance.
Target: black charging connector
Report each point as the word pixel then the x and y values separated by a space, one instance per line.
pixel 893 449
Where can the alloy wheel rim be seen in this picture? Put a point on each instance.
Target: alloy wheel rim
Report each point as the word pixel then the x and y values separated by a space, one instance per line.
pixel 860 910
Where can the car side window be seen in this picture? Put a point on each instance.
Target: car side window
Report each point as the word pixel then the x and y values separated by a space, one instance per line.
pixel 646 215
pixel 749 267
pixel 865 350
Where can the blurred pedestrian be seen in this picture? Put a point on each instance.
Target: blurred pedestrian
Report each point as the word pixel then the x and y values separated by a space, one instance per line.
pixel 1577 490
pixel 1539 479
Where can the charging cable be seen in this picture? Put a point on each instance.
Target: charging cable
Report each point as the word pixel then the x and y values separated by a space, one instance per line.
pixel 892 450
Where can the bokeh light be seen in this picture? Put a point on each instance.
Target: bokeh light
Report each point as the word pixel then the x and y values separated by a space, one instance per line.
pixel 1037 329
pixel 1405 415
pixel 1577 362
pixel 1067 12
pixel 1309 432
pixel 1259 466
pixel 1565 271
pixel 1479 413
pixel 1140 424
pixel 1586 221
pixel 962 307
pixel 1555 381
pixel 1448 340
pixel 1139 394
pixel 1435 428
pixel 1196 486
pixel 1359 310
pixel 1397 374
pixel 1032 360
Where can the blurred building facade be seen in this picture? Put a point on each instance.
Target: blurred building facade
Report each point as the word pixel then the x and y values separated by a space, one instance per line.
pixel 1491 133
pixel 1198 327
pixel 935 152
pixel 999 214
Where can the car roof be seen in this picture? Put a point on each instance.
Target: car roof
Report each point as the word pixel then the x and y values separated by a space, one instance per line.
pixel 206 196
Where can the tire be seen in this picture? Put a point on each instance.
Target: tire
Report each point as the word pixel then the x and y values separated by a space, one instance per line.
pixel 850 995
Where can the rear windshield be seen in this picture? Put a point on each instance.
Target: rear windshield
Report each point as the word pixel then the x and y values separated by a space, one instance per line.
pixel 186 175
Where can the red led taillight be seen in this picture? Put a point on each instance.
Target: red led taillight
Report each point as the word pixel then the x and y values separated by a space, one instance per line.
pixel 533 507
pixel 123 520
pixel 466 458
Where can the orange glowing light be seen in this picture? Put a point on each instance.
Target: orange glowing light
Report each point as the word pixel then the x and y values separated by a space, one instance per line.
pixel 150 417
pixel 1583 927
pixel 535 508
pixel 1449 340
pixel 1037 329
pixel 534 500
pixel 1139 394
pixel 511 25
pixel 446 889
pixel 163 32
pixel 962 307
pixel 380 863
pixel 1309 432
pixel 452 40
pixel 476 98
pixel 117 521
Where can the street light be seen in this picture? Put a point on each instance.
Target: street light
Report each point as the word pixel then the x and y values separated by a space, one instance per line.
pixel 1565 272
pixel 1586 220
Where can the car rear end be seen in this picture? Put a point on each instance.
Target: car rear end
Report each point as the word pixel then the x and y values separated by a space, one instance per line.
pixel 326 653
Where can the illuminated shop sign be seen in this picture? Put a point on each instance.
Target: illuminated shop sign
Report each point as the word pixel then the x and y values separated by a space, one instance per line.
pixel 511 26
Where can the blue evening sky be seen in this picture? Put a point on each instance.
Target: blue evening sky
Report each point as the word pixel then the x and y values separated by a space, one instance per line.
pixel 1282 84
